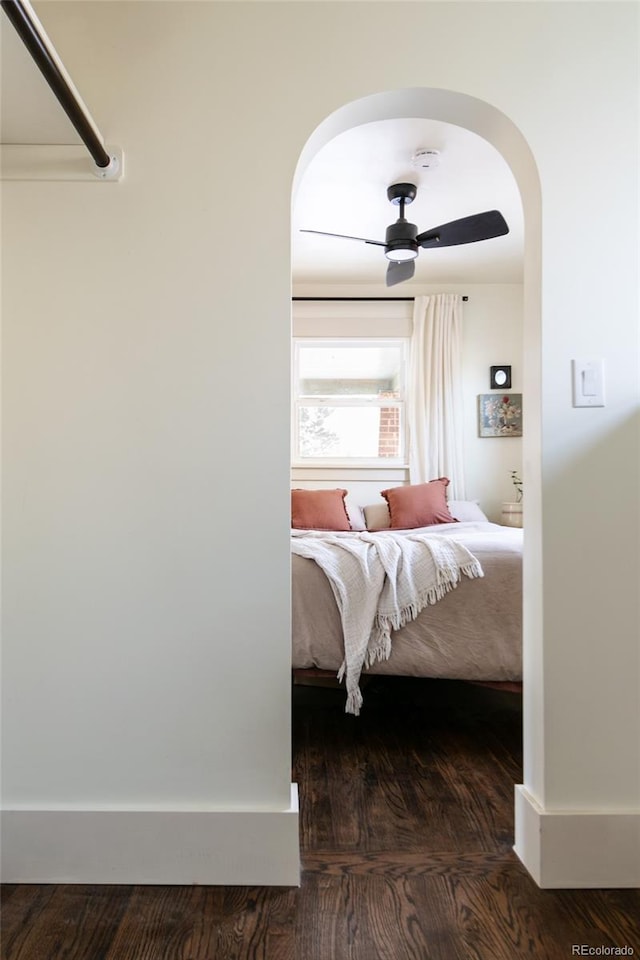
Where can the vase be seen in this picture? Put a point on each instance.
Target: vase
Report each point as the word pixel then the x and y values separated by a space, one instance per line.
pixel 512 514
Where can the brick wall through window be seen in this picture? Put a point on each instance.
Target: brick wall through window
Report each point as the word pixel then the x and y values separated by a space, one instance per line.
pixel 389 434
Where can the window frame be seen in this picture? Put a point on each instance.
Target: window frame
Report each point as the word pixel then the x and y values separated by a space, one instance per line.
pixel 299 401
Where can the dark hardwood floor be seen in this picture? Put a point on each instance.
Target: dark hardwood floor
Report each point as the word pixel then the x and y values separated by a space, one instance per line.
pixel 406 833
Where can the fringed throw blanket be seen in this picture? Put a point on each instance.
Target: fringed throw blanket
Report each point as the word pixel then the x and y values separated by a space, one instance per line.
pixel 381 582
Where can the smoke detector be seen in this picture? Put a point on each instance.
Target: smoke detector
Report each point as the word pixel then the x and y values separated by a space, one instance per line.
pixel 425 159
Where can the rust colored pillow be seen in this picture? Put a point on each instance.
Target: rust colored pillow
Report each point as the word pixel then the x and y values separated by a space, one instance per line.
pixel 419 504
pixel 319 510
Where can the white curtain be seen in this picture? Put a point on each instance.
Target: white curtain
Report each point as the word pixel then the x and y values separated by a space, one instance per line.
pixel 435 392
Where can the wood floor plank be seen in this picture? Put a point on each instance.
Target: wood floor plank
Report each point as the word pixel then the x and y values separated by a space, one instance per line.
pixel 168 923
pixel 365 917
pixel 401 863
pixel 607 917
pixel 7 890
pixel 514 929
pixel 529 922
pixel 257 923
pixel 21 914
pixel 43 922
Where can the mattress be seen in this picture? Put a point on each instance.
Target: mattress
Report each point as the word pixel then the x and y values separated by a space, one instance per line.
pixel 473 633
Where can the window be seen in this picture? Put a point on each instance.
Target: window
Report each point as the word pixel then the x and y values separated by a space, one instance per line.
pixel 349 401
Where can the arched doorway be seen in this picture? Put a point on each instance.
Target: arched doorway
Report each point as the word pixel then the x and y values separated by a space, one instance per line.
pixel 489 123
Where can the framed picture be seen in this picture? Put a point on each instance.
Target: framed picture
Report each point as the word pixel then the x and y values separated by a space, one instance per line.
pixel 500 415
pixel 500 377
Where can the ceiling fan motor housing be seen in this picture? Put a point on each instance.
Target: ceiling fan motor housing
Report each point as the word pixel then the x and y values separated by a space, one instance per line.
pixel 400 241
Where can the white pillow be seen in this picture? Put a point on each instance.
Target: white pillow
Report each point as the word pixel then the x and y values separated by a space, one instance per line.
pixel 355 514
pixel 466 510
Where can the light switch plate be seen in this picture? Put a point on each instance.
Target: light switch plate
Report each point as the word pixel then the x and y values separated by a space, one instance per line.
pixel 588 383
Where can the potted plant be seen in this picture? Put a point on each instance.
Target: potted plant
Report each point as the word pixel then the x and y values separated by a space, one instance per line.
pixel 512 509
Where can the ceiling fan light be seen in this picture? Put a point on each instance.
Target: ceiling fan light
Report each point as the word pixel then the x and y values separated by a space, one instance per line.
pixel 401 253
pixel 400 240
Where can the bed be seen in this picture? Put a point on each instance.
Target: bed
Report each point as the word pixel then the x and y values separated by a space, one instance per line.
pixel 473 632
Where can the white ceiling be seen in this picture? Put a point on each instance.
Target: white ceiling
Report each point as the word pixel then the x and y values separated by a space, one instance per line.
pixel 344 190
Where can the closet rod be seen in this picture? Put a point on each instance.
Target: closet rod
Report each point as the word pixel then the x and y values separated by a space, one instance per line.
pixel 372 299
pixel 32 34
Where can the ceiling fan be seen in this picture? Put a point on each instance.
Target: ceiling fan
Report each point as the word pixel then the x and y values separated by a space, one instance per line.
pixel 402 241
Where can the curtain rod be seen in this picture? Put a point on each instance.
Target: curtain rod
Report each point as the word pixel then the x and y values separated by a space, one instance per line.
pixel 372 299
pixel 33 36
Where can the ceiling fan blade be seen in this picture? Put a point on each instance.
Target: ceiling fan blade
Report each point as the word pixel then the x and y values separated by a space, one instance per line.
pixel 480 226
pixel 399 272
pixel 343 236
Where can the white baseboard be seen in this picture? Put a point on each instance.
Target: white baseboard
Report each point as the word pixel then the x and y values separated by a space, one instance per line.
pixel 566 850
pixel 237 847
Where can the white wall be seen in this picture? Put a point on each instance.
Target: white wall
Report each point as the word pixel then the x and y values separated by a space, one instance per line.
pixel 146 647
pixel 492 333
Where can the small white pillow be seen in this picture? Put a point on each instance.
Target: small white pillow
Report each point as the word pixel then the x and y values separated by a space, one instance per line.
pixel 466 510
pixel 355 514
